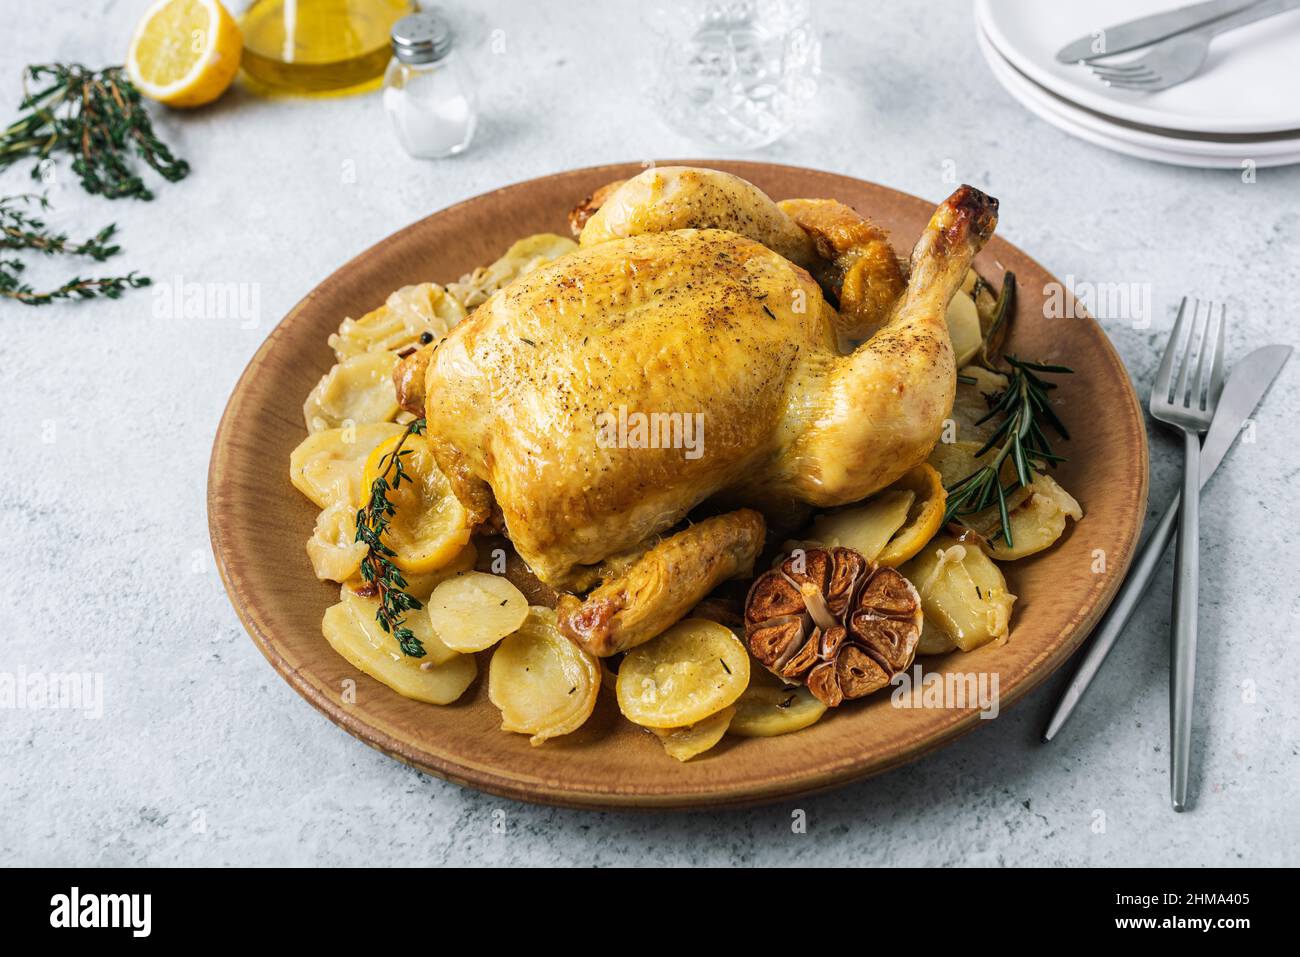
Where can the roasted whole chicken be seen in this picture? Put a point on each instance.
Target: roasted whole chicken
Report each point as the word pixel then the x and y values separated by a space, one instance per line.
pixel 697 304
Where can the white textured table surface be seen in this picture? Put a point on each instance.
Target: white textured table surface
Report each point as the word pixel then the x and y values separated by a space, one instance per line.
pixel 204 755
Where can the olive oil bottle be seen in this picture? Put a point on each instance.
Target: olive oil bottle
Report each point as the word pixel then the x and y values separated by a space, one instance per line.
pixel 319 46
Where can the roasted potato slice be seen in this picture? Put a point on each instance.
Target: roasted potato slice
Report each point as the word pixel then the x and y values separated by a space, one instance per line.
pixel 691 671
pixel 356 391
pixel 1037 522
pixel 957 460
pixel 472 611
pixel 769 707
pixel 544 684
pixel 868 527
pixel 408 314
pixel 685 743
pixel 365 609
pixel 964 328
pixel 973 402
pixel 335 553
pixel 429 526
pixel 962 592
pixel 934 640
pixel 327 466
pixel 417 678
pixel 529 253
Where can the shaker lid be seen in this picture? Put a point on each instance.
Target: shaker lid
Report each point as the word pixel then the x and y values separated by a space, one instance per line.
pixel 423 37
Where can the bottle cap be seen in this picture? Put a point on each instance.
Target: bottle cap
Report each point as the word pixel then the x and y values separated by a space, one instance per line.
pixel 423 37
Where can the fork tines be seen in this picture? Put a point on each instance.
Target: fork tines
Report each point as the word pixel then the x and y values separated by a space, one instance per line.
pixel 1197 339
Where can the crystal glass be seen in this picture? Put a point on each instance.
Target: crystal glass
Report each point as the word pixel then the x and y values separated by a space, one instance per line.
pixel 735 72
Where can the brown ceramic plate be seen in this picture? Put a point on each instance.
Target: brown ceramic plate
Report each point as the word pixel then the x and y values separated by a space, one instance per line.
pixel 258 522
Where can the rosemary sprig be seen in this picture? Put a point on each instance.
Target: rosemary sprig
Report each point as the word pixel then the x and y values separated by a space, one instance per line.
pixel 1025 406
pixel 377 568
pixel 97 117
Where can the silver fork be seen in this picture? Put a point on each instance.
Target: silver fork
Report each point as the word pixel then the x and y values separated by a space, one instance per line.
pixel 1178 58
pixel 1189 406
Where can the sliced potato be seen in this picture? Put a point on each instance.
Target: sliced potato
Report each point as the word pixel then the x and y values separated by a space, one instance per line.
pixel 1037 522
pixel 924 516
pixel 326 466
pixel 685 743
pixel 472 611
pixel 957 460
pixel 868 527
pixel 335 553
pixel 769 707
pixel 429 526
pixel 693 670
pixel 972 402
pixel 365 610
pixel 356 391
pixel 964 328
pixel 934 640
pixel 962 592
pixel 416 678
pixel 529 253
pixel 544 684
pixel 408 314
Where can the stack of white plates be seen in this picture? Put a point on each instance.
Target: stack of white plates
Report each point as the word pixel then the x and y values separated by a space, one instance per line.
pixel 1242 110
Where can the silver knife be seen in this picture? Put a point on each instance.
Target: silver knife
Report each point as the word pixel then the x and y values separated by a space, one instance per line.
pixel 1147 30
pixel 1246 386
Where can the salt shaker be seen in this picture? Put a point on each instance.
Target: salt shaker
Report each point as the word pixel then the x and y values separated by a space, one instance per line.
pixel 428 89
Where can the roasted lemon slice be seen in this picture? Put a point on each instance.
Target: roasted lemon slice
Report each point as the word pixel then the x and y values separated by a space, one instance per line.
pixel 472 611
pixel 429 526
pixel 355 391
pixel 417 678
pixel 184 52
pixel 544 684
pixel 691 671
pixel 685 743
pixel 327 466
pixel 420 585
pixel 924 516
pixel 770 707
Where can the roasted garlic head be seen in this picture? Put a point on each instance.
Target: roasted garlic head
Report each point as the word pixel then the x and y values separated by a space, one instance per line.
pixel 835 621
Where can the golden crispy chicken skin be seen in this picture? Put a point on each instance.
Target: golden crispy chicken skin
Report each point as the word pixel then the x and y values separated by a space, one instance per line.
pixel 663 584
pixel 857 264
pixel 711 327
pixel 665 198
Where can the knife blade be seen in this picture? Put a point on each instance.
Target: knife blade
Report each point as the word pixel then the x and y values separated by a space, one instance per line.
pixel 1248 383
pixel 1147 30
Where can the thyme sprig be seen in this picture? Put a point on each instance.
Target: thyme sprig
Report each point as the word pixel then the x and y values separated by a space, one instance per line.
pixel 96 116
pixel 377 568
pixel 19 229
pixel 1025 407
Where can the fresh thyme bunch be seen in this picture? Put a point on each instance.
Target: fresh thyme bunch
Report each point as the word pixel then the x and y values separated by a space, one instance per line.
pixel 377 568
pixel 98 118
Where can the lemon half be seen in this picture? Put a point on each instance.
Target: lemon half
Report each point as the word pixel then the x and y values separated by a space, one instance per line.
pixel 185 53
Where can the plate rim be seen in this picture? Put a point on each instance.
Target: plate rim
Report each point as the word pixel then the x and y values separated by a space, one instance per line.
pixel 1074 120
pixel 550 792
pixel 1112 106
